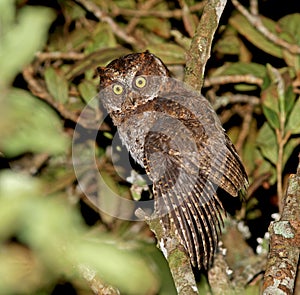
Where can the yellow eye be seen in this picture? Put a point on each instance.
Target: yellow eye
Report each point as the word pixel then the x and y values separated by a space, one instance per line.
pixel 118 89
pixel 140 82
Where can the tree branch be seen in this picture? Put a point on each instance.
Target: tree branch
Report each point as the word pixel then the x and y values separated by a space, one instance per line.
pixel 176 13
pixel 178 260
pixel 220 80
pixel 199 52
pixel 285 243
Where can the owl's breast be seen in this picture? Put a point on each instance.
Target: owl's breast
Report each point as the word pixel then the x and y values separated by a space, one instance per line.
pixel 133 131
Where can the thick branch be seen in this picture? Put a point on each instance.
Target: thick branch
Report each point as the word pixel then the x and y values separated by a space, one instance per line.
pixel 178 260
pixel 218 277
pixel 199 52
pixel 285 243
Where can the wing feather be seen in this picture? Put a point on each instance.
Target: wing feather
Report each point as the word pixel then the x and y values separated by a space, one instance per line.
pixel 187 166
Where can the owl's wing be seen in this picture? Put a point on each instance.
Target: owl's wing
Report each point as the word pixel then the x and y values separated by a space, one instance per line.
pixel 187 166
pixel 184 200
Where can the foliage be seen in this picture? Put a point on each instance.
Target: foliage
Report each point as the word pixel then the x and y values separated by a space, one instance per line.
pixel 48 77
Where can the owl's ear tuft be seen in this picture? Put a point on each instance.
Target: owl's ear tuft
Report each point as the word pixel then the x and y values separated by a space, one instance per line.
pixel 100 70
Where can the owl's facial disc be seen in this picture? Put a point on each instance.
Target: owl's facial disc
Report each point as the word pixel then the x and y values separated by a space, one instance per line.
pixel 131 81
pixel 137 93
pixel 134 92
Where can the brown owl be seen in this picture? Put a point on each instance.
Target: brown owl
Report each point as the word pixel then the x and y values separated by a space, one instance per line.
pixel 174 133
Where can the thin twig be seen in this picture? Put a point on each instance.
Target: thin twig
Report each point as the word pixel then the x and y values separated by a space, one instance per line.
pixel 256 22
pixel 247 119
pixel 42 56
pixel 37 88
pixel 250 79
pixel 281 141
pixel 254 7
pixel 223 101
pixel 97 286
pixel 281 135
pixel 176 13
pixel 226 115
pixel 257 183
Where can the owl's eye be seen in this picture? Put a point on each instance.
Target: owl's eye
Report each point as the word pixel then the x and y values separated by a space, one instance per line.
pixel 140 82
pixel 118 89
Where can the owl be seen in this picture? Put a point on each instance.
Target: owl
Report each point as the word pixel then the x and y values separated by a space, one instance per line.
pixel 174 134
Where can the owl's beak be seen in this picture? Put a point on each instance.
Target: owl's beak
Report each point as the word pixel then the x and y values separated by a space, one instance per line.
pixel 131 98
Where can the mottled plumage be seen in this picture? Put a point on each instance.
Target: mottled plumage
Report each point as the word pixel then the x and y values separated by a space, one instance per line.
pixel 174 133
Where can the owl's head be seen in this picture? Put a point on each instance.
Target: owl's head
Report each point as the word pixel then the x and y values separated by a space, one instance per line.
pixel 131 81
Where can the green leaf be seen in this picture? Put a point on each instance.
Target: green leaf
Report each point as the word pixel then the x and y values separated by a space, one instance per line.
pixel 229 44
pixel 292 60
pixel 289 148
pixel 169 53
pixel 244 87
pixel 98 58
pixel 117 266
pixel 13 188
pixel 130 4
pixel 289 31
pixel 271 116
pixel 241 68
pixel 34 218
pixel 289 26
pixel 57 85
pixel 290 97
pixel 107 200
pixel 72 10
pixel 248 153
pixel 101 37
pixel 158 26
pixel 293 123
pixel 76 40
pixel 88 91
pixel 273 97
pixel 267 143
pixel 19 45
pixel 28 125
pixel 240 23
pixel 252 290
pixel 263 166
pixel 270 98
pixel 7 14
